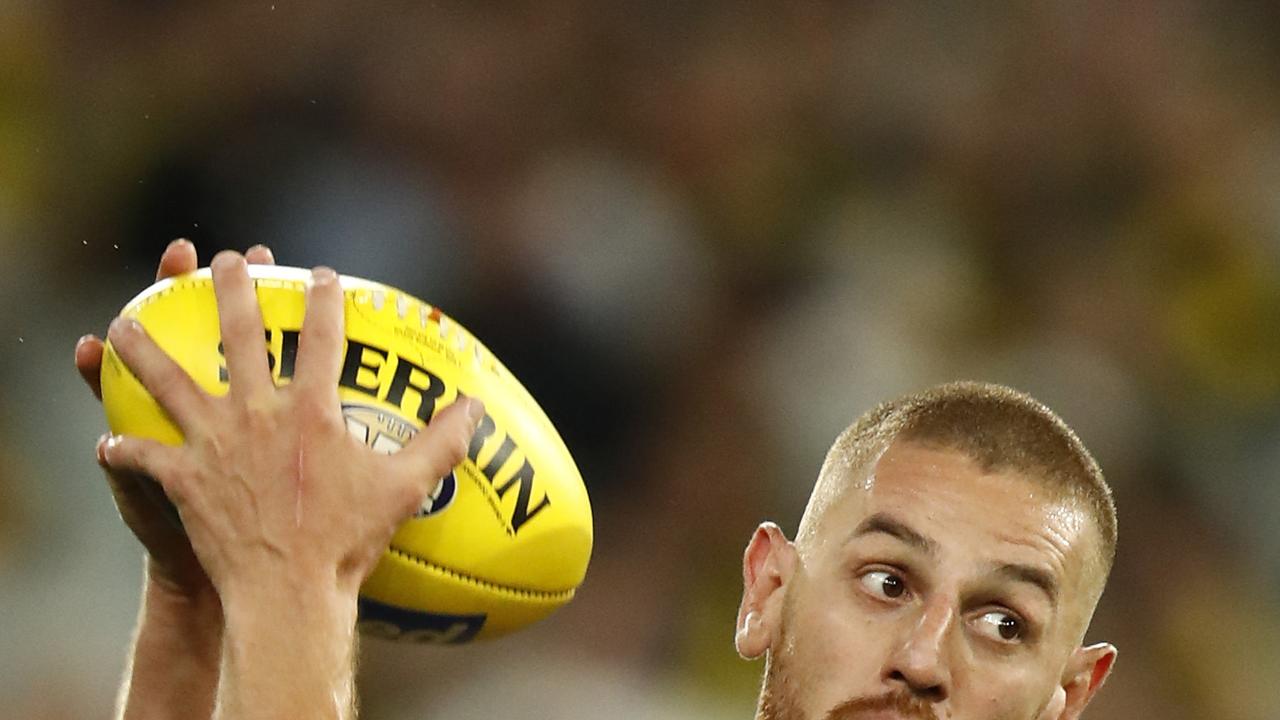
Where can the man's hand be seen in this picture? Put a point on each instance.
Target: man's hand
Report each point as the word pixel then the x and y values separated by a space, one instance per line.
pixel 172 670
pixel 285 510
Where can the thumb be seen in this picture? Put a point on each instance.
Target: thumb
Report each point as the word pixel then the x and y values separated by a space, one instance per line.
pixel 121 454
pixel 442 444
pixel 139 499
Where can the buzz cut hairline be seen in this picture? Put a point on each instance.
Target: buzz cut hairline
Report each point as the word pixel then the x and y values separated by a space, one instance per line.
pixel 996 426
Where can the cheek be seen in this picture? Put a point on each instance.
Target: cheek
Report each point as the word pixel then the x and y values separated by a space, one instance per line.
pixel 834 649
pixel 1003 695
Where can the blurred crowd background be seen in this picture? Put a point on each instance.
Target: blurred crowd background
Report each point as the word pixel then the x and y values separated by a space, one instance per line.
pixel 706 235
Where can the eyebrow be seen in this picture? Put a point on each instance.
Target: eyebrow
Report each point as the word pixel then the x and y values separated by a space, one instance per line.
pixel 885 524
pixel 1033 576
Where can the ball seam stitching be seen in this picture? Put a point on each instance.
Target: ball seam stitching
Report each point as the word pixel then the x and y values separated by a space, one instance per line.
pixel 553 595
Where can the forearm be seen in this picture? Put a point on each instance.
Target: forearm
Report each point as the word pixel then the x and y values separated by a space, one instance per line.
pixel 172 671
pixel 288 652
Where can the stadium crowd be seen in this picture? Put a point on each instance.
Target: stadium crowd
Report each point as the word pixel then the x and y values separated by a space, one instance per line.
pixel 706 236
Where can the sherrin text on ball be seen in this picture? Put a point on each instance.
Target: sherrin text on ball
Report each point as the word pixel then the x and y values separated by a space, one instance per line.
pixel 504 540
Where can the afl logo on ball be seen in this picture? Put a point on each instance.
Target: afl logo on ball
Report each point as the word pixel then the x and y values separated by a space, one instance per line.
pixel 385 432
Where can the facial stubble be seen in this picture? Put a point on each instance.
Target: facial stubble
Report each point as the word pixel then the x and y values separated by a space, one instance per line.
pixel 782 689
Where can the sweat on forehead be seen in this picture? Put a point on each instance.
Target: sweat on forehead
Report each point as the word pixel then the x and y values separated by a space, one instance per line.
pixel 998 427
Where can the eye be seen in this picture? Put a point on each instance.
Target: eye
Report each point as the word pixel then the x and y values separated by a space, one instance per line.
pixel 884 583
pixel 1002 626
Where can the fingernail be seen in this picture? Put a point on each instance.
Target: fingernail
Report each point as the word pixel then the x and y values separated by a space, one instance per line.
pixel 178 242
pixel 83 339
pixel 124 324
pixel 102 448
pixel 225 260
pixel 475 410
pixel 321 274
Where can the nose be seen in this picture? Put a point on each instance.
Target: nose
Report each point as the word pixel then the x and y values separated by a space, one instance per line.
pixel 919 664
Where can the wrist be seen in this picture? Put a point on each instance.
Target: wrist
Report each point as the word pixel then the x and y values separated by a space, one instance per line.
pixel 305 593
pixel 172 670
pixel 293 622
pixel 194 615
pixel 193 599
pixel 291 608
pixel 289 603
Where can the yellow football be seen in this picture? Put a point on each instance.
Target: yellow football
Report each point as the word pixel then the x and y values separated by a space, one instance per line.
pixel 503 541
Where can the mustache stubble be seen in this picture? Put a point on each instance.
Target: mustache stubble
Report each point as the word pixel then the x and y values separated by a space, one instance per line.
pixel 906 706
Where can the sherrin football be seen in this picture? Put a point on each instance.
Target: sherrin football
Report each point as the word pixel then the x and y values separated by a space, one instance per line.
pixel 506 537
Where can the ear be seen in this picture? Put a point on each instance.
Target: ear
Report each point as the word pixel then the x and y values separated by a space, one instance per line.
pixel 1086 671
pixel 767 566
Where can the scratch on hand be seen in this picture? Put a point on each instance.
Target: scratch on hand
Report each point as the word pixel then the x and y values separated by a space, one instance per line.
pixel 297 489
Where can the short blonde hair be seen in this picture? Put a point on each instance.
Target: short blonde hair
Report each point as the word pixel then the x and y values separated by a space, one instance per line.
pixel 996 426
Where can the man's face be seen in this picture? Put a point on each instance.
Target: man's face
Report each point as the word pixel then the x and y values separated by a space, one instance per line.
pixel 938 591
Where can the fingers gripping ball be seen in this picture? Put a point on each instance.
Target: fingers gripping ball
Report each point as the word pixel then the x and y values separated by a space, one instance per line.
pixel 503 541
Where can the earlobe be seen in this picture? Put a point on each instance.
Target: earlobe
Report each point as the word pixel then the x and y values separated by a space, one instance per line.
pixel 742 639
pixel 767 565
pixel 1086 673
